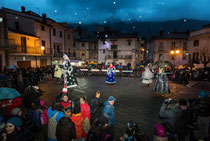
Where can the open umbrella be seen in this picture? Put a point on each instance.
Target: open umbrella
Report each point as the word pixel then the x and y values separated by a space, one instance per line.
pixel 3 77
pixel 13 67
pixel 8 93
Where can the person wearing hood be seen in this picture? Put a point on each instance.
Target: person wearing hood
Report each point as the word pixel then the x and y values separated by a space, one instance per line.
pixel 12 130
pixel 77 119
pixel 203 116
pixel 65 130
pixel 55 113
pixel 109 113
pixel 66 103
pixel 159 133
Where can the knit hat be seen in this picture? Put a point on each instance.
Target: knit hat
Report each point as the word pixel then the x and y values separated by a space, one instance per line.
pixel 42 102
pixel 15 111
pixel 111 98
pixel 64 90
pixel 15 121
pixel 159 130
pixel 182 102
pixel 203 94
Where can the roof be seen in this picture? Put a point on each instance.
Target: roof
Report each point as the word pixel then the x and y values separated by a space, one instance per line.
pixel 21 32
pixel 180 35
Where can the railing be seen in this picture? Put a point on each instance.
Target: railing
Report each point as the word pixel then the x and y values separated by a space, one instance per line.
pixel 29 50
pixel 113 46
pixel 120 57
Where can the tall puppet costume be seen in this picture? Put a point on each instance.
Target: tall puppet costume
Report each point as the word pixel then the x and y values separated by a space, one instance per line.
pixel 58 71
pixel 162 84
pixel 147 75
pixel 70 80
pixel 110 75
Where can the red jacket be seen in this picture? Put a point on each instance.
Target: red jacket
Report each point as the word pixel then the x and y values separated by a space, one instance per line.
pixel 15 103
pixel 77 119
pixel 85 110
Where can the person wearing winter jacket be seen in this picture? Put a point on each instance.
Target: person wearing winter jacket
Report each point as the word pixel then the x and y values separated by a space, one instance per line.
pixel 77 119
pixel 66 103
pixel 12 130
pixel 109 113
pixel 10 104
pixel 55 113
pixel 203 116
pixel 96 106
pixel 65 130
pixel 169 113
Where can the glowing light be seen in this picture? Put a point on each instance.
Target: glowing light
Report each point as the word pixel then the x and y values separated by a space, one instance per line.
pixel 114 2
pixel 1 19
pixel 16 17
pixel 55 11
pixel 80 22
pixel 106 35
pixel 140 16
pixel 75 14
pixel 42 48
pixel 87 8
pixel 104 21
pixel 177 51
pixel 171 52
pixel 185 20
pixel 134 27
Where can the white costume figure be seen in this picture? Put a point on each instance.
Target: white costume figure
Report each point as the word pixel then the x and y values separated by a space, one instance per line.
pixel 58 71
pixel 70 80
pixel 147 75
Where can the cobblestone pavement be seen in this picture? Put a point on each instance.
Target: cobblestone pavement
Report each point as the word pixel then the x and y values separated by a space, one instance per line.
pixel 135 101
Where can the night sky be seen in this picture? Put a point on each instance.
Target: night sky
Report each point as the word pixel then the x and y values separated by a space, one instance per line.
pixel 101 11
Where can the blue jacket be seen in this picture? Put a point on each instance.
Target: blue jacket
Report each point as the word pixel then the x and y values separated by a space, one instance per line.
pixel 52 113
pixel 109 113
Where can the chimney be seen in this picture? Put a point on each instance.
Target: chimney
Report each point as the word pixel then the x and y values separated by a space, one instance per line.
pixel 44 17
pixel 23 9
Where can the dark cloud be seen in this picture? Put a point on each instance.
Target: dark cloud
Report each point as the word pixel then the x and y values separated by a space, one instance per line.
pixel 127 10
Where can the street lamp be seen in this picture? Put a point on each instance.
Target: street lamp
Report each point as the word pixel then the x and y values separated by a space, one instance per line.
pixel 42 48
pixel 173 53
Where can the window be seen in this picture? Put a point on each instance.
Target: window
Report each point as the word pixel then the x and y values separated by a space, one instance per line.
pixel 103 50
pixel 69 37
pixel 114 54
pixel 142 45
pixel 42 27
pixel 74 54
pixel 196 43
pixel 129 43
pixel 74 45
pixel 174 46
pixel 54 32
pixel 17 26
pixel 195 57
pixel 61 34
pixel 161 48
pixel 161 55
pixel 83 44
pixel 43 43
pixel 94 47
pixel 184 46
pixel 104 41
pixel 83 54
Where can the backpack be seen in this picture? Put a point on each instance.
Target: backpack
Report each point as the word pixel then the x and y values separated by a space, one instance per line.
pixel 44 117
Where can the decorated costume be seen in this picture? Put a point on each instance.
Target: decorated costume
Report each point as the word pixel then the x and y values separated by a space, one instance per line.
pixel 110 75
pixel 58 71
pixel 70 80
pixel 162 84
pixel 147 75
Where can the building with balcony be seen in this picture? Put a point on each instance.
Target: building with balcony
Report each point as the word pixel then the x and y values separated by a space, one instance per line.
pixel 81 49
pixel 28 35
pixel 118 49
pixel 4 48
pixel 173 47
pixel 93 50
pixel 199 46
pixel 141 51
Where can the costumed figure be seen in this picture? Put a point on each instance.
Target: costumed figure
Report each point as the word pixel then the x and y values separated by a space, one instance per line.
pixel 147 75
pixel 70 80
pixel 58 71
pixel 110 75
pixel 162 84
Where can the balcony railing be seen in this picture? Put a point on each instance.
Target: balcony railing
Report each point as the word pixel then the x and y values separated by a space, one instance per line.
pixel 113 46
pixel 28 50
pixel 120 57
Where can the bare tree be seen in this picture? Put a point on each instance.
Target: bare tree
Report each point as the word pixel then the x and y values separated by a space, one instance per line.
pixel 204 56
